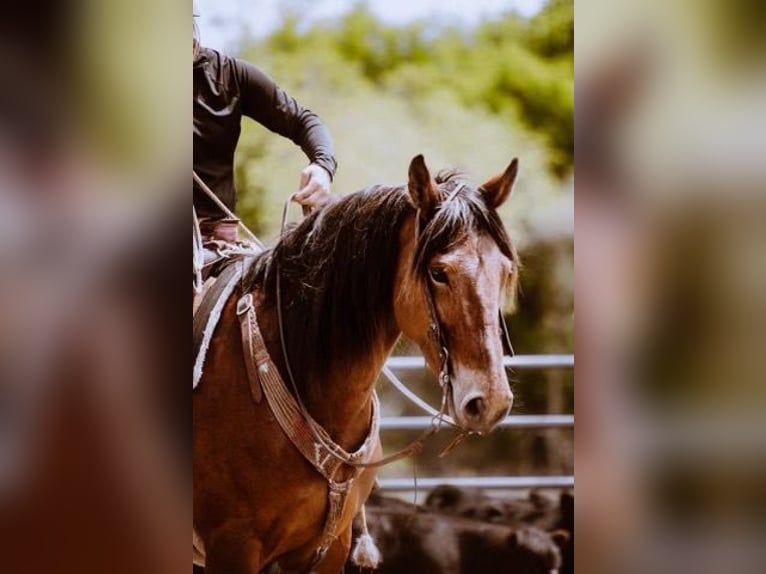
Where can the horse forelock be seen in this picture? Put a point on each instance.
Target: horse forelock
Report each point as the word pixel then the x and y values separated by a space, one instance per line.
pixel 463 212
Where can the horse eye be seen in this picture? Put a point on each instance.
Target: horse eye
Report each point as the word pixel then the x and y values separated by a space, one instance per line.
pixel 438 275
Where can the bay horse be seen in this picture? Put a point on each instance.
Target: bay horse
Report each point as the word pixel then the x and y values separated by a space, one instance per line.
pixel 340 288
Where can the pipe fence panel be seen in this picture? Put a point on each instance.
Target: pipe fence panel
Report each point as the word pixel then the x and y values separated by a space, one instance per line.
pixel 419 423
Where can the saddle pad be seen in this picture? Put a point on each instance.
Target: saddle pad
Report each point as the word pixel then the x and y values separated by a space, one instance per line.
pixel 208 312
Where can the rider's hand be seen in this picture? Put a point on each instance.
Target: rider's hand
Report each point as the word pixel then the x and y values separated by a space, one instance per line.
pixel 315 187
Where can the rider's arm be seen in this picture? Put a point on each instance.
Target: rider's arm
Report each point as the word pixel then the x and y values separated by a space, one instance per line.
pixel 271 106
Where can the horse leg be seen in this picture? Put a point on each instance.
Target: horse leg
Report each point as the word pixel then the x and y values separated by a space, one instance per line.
pixel 336 556
pixel 233 550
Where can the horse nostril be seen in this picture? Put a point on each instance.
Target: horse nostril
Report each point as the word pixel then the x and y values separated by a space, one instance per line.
pixel 475 407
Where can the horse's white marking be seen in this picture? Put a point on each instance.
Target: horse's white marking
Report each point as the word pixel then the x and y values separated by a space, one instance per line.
pixel 470 306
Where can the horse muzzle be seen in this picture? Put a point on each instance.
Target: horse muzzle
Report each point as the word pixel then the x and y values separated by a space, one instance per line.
pixel 479 408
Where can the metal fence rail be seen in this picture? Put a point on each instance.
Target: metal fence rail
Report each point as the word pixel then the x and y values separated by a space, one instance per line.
pixel 487 482
pixel 512 421
pixel 517 362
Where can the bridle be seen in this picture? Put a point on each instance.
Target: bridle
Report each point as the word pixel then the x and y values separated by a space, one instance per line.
pixel 435 329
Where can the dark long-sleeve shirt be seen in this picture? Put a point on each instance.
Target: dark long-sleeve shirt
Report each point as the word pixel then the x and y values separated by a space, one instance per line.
pixel 225 89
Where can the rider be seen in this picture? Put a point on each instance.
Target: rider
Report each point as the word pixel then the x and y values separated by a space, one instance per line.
pixel 225 89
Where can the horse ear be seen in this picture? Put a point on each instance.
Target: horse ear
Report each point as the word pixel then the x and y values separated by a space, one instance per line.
pixel 497 189
pixel 422 187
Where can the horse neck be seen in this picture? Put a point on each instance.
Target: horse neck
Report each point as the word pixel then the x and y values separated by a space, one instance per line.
pixel 341 399
pixel 336 374
pixel 342 402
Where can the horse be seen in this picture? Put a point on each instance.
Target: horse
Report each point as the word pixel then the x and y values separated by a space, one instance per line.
pixel 430 259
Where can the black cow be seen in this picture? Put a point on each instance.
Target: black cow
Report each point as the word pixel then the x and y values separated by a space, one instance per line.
pixel 414 540
pixel 536 510
pixel 473 503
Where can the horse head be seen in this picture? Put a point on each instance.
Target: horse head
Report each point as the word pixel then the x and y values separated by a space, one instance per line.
pixel 457 264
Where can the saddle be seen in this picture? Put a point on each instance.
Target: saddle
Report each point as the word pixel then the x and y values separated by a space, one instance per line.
pixel 215 243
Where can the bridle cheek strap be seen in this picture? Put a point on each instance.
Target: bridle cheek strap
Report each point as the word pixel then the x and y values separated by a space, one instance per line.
pixel 435 330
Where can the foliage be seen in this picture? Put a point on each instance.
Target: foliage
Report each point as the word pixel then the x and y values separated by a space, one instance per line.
pixel 521 70
pixel 466 97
